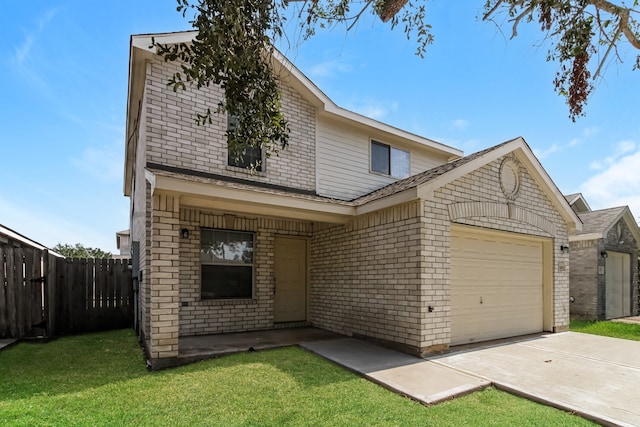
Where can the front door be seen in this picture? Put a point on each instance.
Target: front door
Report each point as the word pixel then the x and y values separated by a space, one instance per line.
pixel 290 299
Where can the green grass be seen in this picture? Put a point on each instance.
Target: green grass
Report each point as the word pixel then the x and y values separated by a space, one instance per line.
pixel 100 379
pixel 608 329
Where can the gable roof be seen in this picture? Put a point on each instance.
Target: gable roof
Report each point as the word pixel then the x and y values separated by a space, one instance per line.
pixel 141 51
pixel 597 224
pixel 578 203
pixel 424 184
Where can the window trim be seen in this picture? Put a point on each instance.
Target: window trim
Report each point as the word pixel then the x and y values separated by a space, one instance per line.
pixel 390 147
pixel 228 264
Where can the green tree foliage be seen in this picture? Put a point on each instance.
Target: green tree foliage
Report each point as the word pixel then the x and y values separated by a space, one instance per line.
pixel 585 36
pixel 80 251
pixel 235 39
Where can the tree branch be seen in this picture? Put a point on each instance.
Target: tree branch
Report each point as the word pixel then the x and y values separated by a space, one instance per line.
pixel 623 14
pixel 516 21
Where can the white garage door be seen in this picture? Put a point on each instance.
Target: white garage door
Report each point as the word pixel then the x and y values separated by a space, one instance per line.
pixel 617 285
pixel 496 285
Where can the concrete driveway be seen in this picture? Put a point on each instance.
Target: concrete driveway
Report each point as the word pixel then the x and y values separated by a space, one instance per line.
pixel 597 377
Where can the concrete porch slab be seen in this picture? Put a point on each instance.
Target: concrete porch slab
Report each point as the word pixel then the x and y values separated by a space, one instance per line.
pixel 416 378
pixel 202 347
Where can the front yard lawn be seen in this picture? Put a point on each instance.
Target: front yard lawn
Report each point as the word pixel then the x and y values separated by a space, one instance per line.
pixel 608 329
pixel 101 379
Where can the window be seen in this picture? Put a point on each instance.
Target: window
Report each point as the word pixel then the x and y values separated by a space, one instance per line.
pixel 226 260
pixel 248 156
pixel 388 160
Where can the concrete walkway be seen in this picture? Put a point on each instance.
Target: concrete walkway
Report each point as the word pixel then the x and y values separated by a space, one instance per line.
pixel 4 343
pixel 596 377
pixel 635 320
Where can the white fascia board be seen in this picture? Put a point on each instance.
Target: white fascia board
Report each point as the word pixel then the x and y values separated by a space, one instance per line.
pixel 582 237
pixel 335 110
pixel 143 41
pixel 151 179
pixel 549 187
pixel 330 107
pixel 631 224
pixel 241 200
pixel 388 201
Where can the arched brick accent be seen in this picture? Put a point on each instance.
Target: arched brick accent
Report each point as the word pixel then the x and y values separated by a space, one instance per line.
pixel 500 210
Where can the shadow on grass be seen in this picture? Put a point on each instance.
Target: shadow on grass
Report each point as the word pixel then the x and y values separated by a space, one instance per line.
pixel 69 364
pixel 77 363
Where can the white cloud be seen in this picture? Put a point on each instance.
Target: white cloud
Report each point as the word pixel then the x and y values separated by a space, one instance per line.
pixel 541 154
pixel 373 108
pixel 591 130
pixel 329 69
pixel 23 51
pixel 622 148
pixel 43 227
pixel 104 162
pixel 460 124
pixel 617 184
pixel 625 147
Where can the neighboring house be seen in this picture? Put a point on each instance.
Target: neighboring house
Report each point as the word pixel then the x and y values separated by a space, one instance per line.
pixel 358 227
pixel 123 244
pixel 15 239
pixel 604 262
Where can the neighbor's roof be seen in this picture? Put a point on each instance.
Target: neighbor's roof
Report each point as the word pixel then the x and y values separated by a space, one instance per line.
pixel 597 224
pixel 14 235
pixel 575 200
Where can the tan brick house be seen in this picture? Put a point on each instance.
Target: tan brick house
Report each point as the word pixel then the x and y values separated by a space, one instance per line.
pixel 358 227
pixel 604 262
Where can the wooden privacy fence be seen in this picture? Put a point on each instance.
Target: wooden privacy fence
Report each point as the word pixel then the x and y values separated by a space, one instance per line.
pixel 42 295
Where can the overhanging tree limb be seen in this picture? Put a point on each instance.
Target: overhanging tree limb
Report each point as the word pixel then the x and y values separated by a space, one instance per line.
pixel 235 38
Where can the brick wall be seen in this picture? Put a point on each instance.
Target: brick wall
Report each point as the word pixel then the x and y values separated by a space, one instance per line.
pixel 197 316
pixel 174 139
pixel 587 285
pixel 366 276
pixel 164 277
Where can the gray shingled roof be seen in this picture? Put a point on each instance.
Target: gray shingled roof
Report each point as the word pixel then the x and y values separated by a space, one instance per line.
pixel 424 177
pixel 599 221
pixel 572 197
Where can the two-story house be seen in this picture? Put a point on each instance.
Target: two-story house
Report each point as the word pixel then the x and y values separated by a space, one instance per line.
pixel 357 227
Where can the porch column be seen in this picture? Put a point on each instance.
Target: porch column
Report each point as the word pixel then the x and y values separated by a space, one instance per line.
pixel 164 282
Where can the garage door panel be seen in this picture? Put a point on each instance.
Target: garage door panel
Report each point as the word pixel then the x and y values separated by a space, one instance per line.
pixel 496 286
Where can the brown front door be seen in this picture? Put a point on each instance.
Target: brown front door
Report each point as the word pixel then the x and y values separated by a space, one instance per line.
pixel 290 300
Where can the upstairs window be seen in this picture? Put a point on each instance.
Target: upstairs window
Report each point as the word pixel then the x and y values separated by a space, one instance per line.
pixel 388 160
pixel 226 261
pixel 247 156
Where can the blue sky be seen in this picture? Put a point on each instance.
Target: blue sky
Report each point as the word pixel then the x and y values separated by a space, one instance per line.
pixel 65 62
